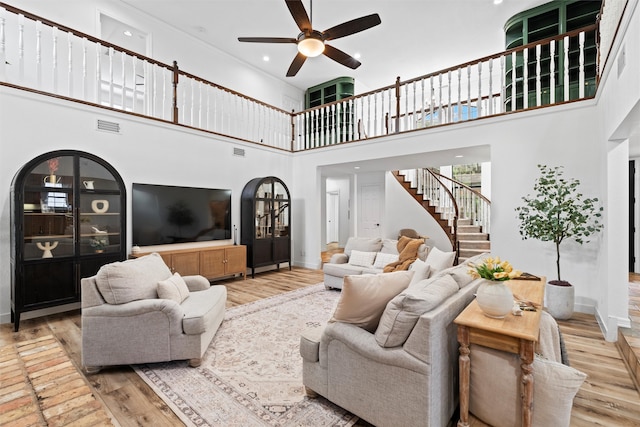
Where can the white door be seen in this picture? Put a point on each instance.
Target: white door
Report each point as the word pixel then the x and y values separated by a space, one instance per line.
pixel 370 212
pixel 333 215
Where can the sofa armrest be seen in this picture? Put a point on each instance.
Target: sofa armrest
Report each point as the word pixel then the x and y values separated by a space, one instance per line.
pixel 129 311
pixel 339 259
pixel 364 343
pixel 196 283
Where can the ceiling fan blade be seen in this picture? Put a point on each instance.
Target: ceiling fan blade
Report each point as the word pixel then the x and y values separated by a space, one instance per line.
pixel 341 57
pixel 267 39
pixel 352 27
pixel 296 64
pixel 299 14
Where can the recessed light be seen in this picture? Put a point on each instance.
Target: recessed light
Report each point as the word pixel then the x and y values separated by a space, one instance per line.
pixel 127 33
pixel 265 58
pixel 497 1
pixel 356 55
pixel 459 156
pixel 356 167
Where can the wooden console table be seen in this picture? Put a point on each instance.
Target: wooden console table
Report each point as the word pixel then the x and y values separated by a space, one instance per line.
pixel 513 334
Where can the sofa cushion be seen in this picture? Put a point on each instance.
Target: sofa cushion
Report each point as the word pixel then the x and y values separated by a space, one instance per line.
pixel 174 288
pixel 362 259
pixel 364 298
pixel 439 260
pixel 363 244
pixel 389 246
pixel 421 270
pixel 495 389
pixel 202 309
pixel 135 279
pixel 341 270
pixel 403 311
pixel 383 259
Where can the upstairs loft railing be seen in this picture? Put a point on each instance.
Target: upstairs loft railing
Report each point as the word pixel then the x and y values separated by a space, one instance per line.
pixel 44 57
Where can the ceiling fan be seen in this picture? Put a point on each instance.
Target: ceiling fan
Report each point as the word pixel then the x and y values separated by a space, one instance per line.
pixel 311 43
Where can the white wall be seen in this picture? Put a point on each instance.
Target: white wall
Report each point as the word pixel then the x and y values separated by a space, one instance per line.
pixel 146 152
pixel 169 44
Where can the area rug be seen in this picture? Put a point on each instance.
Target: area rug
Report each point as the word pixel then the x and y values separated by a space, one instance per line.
pixel 251 374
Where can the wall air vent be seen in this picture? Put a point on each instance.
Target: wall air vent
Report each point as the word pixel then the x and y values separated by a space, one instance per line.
pixel 238 151
pixel 106 126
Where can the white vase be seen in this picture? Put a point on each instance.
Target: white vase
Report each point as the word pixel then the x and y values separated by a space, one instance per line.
pixel 494 298
pixel 560 300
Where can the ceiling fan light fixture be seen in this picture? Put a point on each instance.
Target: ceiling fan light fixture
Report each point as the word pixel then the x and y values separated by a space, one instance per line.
pixel 311 47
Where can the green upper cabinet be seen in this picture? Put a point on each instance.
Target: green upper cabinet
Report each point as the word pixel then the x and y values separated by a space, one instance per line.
pixel 550 20
pixel 333 90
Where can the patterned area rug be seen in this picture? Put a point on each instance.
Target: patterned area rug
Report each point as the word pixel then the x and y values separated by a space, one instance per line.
pixel 251 375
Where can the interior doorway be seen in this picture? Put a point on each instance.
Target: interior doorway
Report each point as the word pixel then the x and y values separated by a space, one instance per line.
pixel 333 217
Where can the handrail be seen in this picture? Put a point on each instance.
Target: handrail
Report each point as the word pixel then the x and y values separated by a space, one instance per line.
pixel 453 202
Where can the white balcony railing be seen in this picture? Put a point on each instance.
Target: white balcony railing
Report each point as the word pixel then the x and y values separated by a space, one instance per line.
pixel 45 57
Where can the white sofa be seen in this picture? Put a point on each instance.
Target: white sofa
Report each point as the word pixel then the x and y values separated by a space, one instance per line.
pixel 388 378
pixel 342 264
pixel 137 311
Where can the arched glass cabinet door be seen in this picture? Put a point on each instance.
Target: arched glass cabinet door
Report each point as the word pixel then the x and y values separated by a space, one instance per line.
pixel 68 215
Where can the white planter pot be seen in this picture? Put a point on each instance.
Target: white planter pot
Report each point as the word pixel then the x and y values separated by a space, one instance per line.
pixel 495 299
pixel 560 300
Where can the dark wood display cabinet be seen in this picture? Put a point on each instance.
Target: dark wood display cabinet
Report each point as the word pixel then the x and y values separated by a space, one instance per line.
pixel 68 215
pixel 266 214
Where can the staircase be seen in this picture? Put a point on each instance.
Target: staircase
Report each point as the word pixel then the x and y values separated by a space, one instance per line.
pixel 461 212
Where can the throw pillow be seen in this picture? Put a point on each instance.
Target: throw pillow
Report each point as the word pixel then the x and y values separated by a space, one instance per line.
pixel 362 259
pixel 364 298
pixel 402 312
pixel 133 279
pixel 420 270
pixel 439 260
pixel 383 259
pixel 174 288
pixel 495 389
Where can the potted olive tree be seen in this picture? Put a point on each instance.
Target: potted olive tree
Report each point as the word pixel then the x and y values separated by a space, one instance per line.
pixel 558 212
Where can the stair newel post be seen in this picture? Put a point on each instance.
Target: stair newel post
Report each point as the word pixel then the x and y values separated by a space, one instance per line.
pixel 292 118
pixel 175 91
pixel 397 104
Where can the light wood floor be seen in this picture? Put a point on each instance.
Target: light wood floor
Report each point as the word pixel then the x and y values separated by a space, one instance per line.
pixel 608 397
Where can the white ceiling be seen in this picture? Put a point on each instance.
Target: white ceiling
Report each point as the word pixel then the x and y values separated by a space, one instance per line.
pixel 415 38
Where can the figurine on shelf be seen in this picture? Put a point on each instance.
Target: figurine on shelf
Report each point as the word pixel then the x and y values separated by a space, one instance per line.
pixel 100 240
pixel 47 247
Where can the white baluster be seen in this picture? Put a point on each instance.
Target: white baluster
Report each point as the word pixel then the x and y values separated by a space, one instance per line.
pixel 98 88
pixel 432 101
pixel 469 87
pixel 21 47
pixel 165 72
pixel 449 106
pixel 193 100
pixel 440 110
pixel 514 81
pixel 491 110
pixel 566 68
pixel 200 105
pixel 69 65
pixel 111 53
pixel 414 110
pixel 503 89
pixel 84 69
pixel 54 59
pixel 459 72
pixel 123 77
pixel 525 79
pixel 480 114
pixel 406 107
pixel 38 55
pixel 581 67
pixel 3 48
pixel 423 105
pixel 552 72
pixel 134 84
pixel 538 72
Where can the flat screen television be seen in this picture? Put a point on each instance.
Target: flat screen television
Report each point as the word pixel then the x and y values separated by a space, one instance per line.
pixel 164 214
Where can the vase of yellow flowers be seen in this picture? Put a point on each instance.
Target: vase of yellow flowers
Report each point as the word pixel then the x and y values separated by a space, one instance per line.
pixel 494 297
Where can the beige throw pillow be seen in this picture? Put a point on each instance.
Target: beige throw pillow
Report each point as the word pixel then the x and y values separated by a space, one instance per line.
pixel 402 312
pixel 362 259
pixel 495 389
pixel 174 288
pixel 421 271
pixel 439 260
pixel 134 279
pixel 364 297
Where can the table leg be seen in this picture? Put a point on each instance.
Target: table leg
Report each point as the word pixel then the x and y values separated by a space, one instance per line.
pixel 526 360
pixel 464 363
